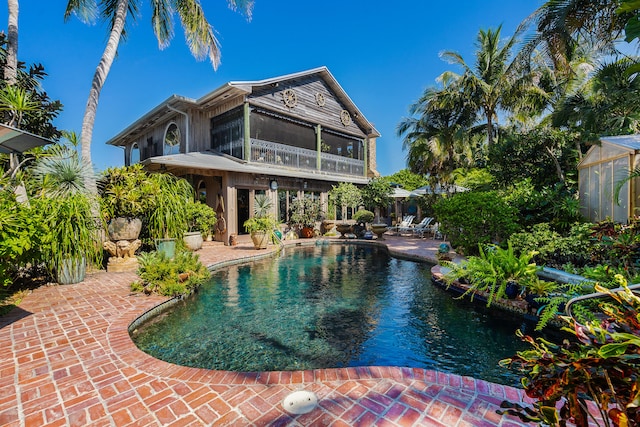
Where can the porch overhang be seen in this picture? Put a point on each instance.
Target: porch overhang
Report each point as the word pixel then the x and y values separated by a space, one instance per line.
pixel 207 162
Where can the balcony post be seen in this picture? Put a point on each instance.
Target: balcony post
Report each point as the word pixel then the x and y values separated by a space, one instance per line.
pixel 318 147
pixel 247 133
pixel 365 152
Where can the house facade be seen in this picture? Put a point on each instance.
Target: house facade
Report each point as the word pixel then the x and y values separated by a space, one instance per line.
pixel 287 137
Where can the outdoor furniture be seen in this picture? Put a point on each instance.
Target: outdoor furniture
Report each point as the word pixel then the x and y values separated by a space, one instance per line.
pixel 423 227
pixel 410 229
pixel 405 223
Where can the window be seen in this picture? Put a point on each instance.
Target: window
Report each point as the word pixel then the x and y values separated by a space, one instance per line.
pixel 134 154
pixel 202 192
pixel 172 140
pixel 342 145
pixel 288 132
pixel 227 133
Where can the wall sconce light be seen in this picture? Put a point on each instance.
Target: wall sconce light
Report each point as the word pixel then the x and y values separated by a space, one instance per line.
pixel 304 185
pixel 273 184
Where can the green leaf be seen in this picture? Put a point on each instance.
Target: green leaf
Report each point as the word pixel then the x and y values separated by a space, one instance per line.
pixel 632 29
pixel 613 350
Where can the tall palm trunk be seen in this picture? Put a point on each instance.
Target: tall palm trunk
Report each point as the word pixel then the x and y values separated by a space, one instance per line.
pixel 11 69
pixel 96 87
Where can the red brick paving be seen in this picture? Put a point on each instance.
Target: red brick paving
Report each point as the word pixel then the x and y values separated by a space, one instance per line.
pixel 67 360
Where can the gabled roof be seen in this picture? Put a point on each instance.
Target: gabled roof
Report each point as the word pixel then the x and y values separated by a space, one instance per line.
pixel 241 88
pixel 627 141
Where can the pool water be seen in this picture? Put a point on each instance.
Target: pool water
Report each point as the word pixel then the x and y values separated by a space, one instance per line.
pixel 332 306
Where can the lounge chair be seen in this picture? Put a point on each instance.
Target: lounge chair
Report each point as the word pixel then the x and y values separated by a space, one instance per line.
pixel 406 222
pixel 412 227
pixel 423 227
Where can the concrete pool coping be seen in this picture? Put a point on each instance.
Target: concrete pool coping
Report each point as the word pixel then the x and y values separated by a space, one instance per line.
pixel 67 359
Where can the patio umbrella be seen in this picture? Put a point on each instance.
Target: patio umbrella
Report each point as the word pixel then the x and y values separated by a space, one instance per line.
pixel 438 189
pixel 14 140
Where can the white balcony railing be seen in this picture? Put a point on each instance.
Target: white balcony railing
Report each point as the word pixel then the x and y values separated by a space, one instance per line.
pixel 301 158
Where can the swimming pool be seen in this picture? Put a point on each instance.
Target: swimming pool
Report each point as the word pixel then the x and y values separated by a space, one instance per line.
pixel 331 306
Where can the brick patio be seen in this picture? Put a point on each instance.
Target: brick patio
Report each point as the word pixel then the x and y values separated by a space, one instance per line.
pixel 66 359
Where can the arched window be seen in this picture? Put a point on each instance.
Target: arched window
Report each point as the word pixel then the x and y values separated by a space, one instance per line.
pixel 134 154
pixel 172 140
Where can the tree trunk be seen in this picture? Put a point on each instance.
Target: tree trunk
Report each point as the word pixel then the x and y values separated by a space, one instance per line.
pixel 559 172
pixel 11 69
pixel 96 87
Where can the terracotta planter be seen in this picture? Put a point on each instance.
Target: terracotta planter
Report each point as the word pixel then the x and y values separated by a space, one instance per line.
pixel 260 239
pixel 124 228
pixel 193 240
pixel 306 232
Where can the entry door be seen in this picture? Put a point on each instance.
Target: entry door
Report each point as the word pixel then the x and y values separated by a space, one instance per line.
pixel 242 209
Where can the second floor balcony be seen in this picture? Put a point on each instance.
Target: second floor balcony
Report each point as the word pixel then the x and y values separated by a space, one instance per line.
pixel 301 158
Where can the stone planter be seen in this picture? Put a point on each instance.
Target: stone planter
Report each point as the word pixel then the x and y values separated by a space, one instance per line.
pixel 124 228
pixel 379 230
pixel 343 229
pixel 193 240
pixel 260 239
pixel 328 225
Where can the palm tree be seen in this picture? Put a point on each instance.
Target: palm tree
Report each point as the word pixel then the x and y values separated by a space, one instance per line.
pixel 436 135
pixel 609 104
pixel 494 82
pixel 561 26
pixel 11 69
pixel 198 32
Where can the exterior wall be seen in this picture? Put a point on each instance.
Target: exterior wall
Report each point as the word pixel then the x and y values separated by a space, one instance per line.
pixel 307 107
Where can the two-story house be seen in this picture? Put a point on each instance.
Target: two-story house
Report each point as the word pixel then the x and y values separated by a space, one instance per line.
pixel 287 137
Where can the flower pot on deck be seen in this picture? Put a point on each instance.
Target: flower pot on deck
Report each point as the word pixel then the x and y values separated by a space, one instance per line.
pixel 193 240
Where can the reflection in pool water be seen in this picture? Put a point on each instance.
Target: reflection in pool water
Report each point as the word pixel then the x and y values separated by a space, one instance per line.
pixel 331 306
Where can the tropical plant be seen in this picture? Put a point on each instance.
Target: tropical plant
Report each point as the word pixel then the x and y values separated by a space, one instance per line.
pixel 71 231
pixel 167 217
pixel 345 195
pixel 493 270
pixel 175 276
pixel 608 105
pixel 475 218
pixel 126 192
pixel 305 212
pixel 559 27
pixel 494 83
pixel 436 135
pixel 376 194
pixel 600 365
pixel 60 172
pixel 199 34
pixel 406 179
pixel 201 217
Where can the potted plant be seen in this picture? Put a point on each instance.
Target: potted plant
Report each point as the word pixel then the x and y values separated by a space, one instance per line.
pixel 262 224
pixel 66 214
pixel 125 200
pixel 201 219
pixel 345 195
pixel 167 217
pixel 305 212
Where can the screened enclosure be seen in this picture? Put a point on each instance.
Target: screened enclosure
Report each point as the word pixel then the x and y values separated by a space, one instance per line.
pixel 602 168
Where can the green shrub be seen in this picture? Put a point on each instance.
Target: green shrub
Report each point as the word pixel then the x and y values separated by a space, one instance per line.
pixel 170 277
pixel 20 234
pixel 363 215
pixel 553 249
pixel 475 218
pixel 201 217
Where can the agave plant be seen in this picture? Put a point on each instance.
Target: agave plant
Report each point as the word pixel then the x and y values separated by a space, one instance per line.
pixel 62 173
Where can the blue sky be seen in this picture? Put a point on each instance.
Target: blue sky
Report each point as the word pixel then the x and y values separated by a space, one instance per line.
pixel 383 55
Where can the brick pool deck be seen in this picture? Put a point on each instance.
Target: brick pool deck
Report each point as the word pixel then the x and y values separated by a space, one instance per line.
pixel 66 359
